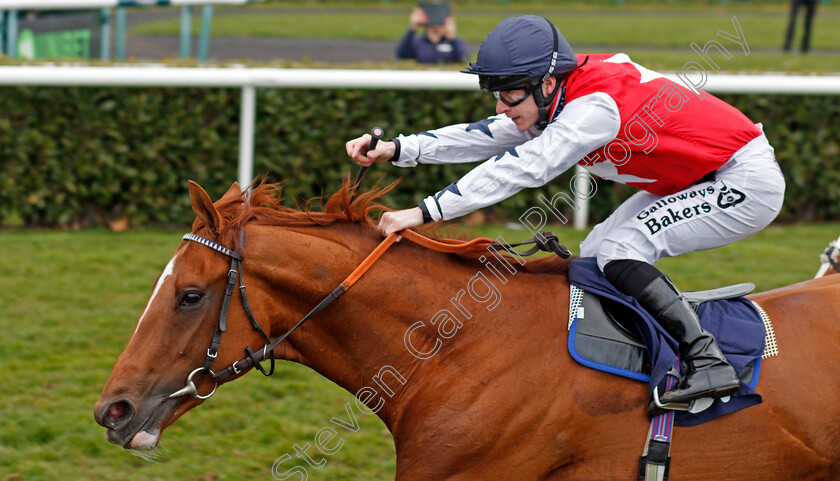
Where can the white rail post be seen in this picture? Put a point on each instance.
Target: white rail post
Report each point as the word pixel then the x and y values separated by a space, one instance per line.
pixel 581 185
pixel 247 121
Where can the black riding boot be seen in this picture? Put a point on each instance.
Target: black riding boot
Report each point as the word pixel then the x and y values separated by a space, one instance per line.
pixel 708 374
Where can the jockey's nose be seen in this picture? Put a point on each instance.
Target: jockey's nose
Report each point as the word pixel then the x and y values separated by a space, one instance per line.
pixel 501 107
pixel 114 415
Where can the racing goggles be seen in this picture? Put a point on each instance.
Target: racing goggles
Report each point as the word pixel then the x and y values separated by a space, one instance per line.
pixel 514 97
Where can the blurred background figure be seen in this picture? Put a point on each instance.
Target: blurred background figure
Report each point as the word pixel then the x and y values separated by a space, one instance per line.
pixel 439 42
pixel 810 10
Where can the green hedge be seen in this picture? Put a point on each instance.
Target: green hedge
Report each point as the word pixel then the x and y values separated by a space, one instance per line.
pixel 89 156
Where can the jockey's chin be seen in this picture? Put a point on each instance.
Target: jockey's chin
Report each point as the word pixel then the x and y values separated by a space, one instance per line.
pixel 522 124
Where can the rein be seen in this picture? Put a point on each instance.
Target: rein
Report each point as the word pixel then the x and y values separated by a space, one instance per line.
pixel 544 241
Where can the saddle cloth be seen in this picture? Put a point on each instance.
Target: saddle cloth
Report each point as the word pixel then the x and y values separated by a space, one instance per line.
pixel 738 325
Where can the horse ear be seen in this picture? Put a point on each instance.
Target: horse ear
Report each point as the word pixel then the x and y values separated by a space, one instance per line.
pixel 204 208
pixel 234 191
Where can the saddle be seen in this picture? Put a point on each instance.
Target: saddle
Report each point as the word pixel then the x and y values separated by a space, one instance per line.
pixel 610 332
pixel 607 338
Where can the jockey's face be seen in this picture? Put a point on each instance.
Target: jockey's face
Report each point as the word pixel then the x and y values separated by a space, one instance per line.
pixel 525 114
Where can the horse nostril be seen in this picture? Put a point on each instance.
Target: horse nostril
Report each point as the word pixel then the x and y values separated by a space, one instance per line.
pixel 117 410
pixel 118 414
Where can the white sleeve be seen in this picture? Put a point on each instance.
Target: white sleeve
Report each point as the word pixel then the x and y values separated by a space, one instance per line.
pixel 585 124
pixel 460 142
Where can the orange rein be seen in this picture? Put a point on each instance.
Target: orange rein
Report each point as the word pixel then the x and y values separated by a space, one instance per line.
pixel 450 246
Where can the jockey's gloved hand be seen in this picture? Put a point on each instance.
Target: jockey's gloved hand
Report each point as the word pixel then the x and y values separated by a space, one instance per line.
pixel 357 149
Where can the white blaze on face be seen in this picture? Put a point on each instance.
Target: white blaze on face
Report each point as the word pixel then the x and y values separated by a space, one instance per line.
pixel 166 273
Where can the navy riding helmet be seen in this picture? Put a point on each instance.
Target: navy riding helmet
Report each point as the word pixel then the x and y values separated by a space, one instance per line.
pixel 523 50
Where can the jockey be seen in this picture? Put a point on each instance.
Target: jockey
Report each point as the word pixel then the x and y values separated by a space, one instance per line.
pixel 707 174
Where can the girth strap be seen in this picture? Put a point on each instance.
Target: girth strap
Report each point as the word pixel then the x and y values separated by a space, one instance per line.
pixel 655 462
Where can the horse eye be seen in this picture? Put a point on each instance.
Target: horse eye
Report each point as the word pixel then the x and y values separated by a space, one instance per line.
pixel 190 299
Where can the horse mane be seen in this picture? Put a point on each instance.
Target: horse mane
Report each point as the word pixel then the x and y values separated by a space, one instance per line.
pixel 264 206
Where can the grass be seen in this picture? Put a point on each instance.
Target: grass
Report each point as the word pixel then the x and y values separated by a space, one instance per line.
pixel 70 301
pixel 661 37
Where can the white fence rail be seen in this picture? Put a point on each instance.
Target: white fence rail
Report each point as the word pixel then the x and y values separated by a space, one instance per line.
pixel 160 76
pixel 250 78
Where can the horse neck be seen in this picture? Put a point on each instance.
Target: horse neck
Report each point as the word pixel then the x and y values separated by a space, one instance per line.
pixel 362 340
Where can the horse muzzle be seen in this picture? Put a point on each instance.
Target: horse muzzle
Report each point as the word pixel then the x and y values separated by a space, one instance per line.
pixel 128 426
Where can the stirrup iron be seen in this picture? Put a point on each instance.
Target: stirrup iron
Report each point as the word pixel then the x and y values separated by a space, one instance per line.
pixel 694 407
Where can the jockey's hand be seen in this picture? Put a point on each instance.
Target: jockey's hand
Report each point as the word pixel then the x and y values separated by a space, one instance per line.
pixel 399 220
pixel 357 149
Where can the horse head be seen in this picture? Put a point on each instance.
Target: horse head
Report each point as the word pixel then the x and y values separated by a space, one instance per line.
pixel 199 323
pixel 146 391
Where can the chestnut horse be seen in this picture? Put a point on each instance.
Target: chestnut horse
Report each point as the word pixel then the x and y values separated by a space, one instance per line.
pixel 484 391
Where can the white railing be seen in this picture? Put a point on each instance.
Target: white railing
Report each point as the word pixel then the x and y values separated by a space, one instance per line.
pixel 161 76
pixel 250 78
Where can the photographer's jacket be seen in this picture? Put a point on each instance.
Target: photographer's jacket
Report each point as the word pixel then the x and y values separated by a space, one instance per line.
pixel 620 121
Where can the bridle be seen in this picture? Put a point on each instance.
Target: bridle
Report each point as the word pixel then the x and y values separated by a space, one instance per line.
pixel 545 241
pixel 234 277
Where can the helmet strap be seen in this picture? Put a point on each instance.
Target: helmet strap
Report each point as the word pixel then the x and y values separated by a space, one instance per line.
pixel 544 102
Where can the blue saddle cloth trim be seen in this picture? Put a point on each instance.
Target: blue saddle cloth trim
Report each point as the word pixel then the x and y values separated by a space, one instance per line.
pixel 735 323
pixel 618 371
